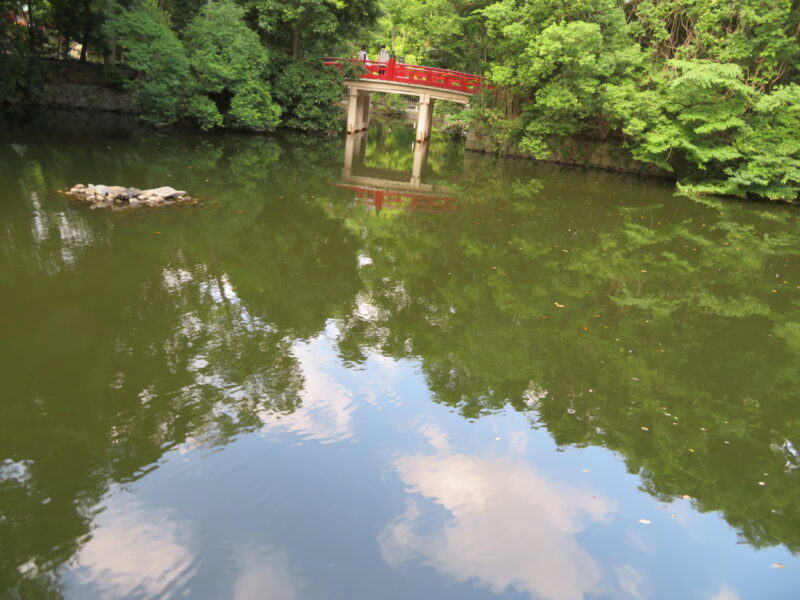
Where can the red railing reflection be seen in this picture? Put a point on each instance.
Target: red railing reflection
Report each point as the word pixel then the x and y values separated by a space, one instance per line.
pixel 398 200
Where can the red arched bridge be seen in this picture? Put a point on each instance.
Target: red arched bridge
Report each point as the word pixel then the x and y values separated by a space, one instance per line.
pixel 429 83
pixel 416 75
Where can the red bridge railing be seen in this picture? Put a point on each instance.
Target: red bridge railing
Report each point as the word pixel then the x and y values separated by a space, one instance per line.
pixel 413 74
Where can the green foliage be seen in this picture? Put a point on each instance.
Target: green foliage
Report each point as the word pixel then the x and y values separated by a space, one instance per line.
pixel 689 83
pixel 229 61
pixel 692 113
pixel 19 45
pixel 310 27
pixel 695 86
pixel 704 89
pixel 563 65
pixel 19 77
pixel 222 60
pixel 556 59
pixel 204 111
pixel 308 92
pixel 759 36
pixel 252 107
pixel 164 88
pixel 719 134
pixel 769 147
pixel 181 12
pixel 223 52
pixel 427 32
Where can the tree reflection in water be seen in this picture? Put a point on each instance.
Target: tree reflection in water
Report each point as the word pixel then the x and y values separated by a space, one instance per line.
pixel 187 334
pixel 660 328
pixel 667 332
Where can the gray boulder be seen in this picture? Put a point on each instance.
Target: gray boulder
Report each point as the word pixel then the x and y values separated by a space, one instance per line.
pixel 164 192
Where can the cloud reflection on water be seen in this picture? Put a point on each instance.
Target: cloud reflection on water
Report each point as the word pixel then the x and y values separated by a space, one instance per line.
pixel 509 526
pixel 326 412
pixel 265 573
pixel 136 551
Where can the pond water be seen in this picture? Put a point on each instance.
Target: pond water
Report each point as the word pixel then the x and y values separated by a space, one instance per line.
pixel 356 371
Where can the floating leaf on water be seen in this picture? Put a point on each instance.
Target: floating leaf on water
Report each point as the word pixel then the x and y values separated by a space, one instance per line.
pixel 584 470
pixel 776 565
pixel 690 449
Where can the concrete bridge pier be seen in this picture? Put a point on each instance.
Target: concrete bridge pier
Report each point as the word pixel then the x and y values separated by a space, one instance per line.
pixel 420 158
pixel 358 110
pixel 359 99
pixel 355 147
pixel 424 117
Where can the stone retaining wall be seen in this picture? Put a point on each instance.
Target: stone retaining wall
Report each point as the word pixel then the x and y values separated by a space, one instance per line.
pixel 583 152
pixel 82 86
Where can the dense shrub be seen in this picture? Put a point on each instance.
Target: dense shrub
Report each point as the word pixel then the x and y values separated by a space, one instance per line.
pixel 163 92
pixel 229 64
pixel 308 92
pixel 705 89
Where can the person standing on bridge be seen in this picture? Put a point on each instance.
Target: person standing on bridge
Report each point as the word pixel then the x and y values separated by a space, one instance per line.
pixel 362 54
pixel 383 58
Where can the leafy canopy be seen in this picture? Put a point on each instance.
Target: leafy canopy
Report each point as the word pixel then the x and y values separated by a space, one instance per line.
pixel 228 61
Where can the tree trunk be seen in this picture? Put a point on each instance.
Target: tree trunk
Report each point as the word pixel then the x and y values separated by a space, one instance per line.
pixel 110 38
pixel 87 31
pixel 31 28
pixel 109 52
pixel 298 30
pixel 84 44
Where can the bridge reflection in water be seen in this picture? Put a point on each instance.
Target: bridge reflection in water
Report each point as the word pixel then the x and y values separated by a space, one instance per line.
pixel 387 189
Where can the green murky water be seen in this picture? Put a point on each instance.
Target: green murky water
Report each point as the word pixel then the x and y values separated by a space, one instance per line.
pixel 357 372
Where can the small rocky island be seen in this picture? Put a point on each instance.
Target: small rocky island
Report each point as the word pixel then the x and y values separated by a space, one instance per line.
pixel 119 197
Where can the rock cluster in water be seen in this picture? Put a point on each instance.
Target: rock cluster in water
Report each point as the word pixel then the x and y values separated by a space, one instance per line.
pixel 117 196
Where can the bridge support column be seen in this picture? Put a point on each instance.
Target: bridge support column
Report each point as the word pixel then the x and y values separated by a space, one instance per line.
pixel 420 158
pixel 366 98
pixel 352 111
pixel 425 117
pixel 358 110
pixel 354 150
